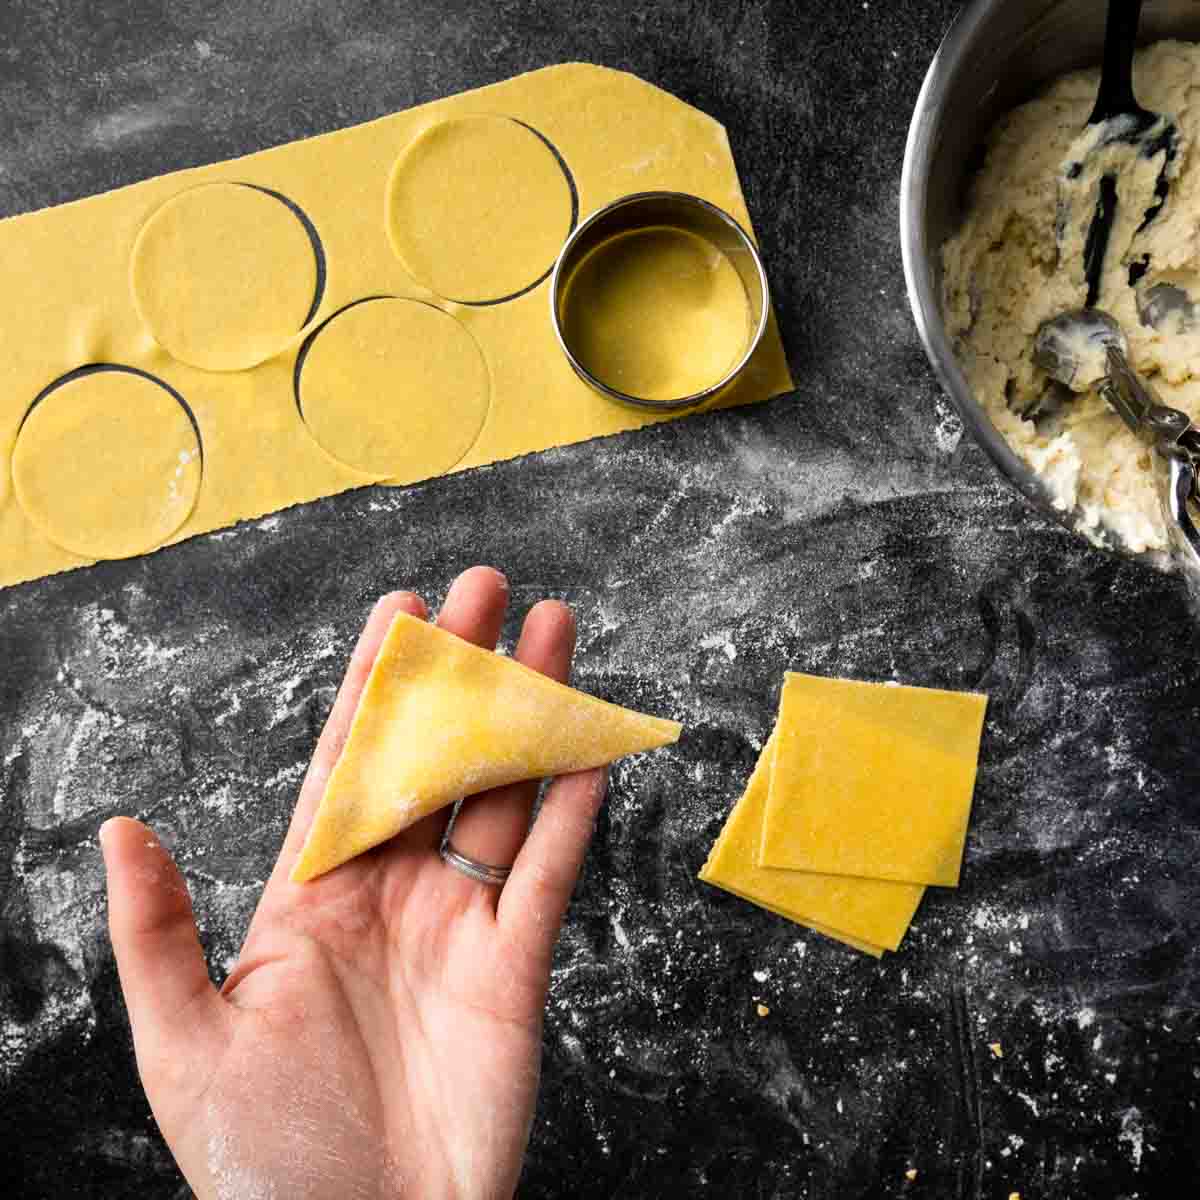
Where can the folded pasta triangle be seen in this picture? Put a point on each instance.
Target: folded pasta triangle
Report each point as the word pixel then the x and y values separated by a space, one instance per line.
pixel 440 719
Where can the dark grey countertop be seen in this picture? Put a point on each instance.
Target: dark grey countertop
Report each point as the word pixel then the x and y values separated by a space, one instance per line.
pixel 846 529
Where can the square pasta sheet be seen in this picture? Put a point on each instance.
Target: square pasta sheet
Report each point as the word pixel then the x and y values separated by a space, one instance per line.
pixel 869 914
pixel 872 780
pixel 859 799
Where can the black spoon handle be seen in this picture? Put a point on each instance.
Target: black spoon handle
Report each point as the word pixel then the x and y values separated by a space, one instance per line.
pixel 1115 94
pixel 1096 245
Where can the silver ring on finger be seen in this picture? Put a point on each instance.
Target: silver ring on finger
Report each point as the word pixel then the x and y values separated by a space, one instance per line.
pixel 472 868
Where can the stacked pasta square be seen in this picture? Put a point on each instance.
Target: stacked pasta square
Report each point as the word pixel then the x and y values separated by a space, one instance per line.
pixel 859 801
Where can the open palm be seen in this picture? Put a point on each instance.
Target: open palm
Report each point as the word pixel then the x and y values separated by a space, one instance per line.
pixel 381 1033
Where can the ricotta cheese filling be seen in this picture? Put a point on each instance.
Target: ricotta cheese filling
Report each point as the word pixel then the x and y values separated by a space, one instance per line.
pixel 1018 260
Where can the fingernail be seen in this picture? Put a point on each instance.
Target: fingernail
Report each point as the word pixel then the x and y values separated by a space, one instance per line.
pixel 416 605
pixel 501 578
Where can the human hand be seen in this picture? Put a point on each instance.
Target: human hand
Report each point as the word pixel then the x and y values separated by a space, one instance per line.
pixel 380 1035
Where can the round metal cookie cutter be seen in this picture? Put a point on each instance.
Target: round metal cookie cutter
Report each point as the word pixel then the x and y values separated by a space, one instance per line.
pixel 644 211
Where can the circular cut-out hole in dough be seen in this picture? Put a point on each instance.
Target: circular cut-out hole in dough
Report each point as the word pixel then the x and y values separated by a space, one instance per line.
pixel 396 388
pixel 226 275
pixel 108 462
pixel 479 207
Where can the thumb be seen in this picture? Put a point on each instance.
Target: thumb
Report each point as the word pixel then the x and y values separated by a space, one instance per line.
pixel 159 958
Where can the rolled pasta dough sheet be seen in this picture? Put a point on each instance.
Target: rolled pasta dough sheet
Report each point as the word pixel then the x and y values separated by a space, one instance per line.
pixel 507 168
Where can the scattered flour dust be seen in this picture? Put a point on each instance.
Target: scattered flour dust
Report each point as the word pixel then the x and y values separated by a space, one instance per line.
pixel 1133 1134
pixel 112 732
pixel 232 1179
pixel 173 484
pixel 948 431
pixel 720 641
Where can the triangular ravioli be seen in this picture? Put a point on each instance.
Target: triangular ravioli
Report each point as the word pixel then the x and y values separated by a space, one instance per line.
pixel 440 719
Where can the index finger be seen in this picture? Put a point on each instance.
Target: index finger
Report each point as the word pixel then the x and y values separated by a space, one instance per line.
pixel 337 727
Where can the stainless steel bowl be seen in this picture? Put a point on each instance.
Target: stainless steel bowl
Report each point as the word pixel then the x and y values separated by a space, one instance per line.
pixel 997 54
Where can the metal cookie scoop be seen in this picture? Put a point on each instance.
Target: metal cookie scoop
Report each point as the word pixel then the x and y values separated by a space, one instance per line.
pixel 1087 348
pixel 1072 348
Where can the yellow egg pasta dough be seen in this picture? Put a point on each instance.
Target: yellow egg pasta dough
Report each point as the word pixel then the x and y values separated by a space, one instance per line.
pixel 440 719
pixel 219 282
pixel 872 780
pixel 868 914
